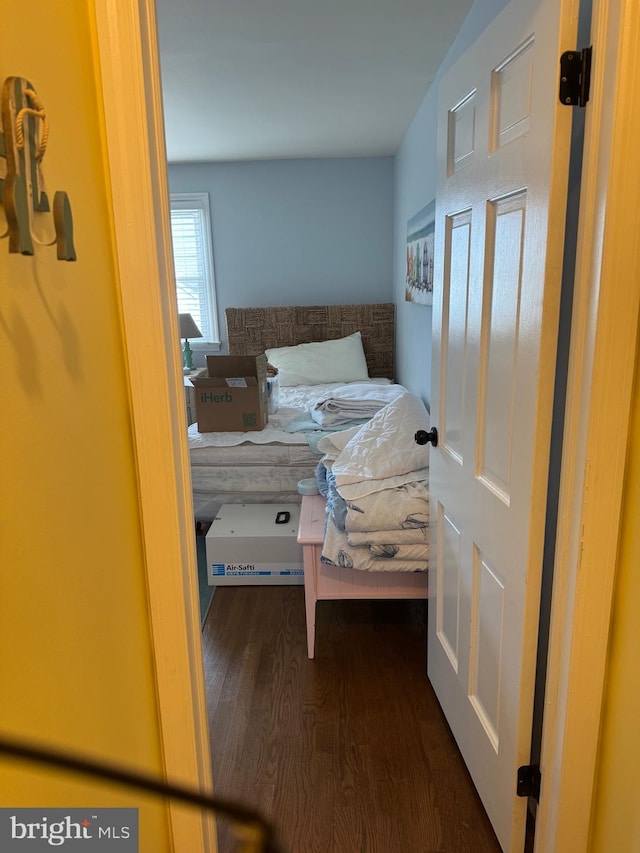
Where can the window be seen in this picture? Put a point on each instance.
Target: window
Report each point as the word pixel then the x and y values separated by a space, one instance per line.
pixel 193 262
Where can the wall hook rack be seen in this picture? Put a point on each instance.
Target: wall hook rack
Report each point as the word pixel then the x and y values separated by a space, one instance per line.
pixel 24 133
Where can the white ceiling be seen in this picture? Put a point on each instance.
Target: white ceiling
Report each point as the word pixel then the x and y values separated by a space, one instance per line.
pixel 269 79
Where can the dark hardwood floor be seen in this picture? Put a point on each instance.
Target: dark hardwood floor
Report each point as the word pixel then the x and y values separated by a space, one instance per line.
pixel 348 753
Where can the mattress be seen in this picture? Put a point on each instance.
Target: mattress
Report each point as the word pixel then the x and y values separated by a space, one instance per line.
pixel 264 466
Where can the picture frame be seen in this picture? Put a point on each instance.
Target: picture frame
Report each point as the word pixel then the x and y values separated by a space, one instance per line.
pixel 420 256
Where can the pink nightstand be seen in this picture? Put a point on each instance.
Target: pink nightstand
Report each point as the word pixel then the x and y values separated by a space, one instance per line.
pixel 324 582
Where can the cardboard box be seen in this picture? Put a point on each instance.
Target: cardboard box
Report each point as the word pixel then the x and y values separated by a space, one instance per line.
pixel 252 544
pixel 231 394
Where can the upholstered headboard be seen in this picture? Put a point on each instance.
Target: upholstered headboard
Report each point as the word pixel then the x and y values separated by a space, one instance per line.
pixel 251 331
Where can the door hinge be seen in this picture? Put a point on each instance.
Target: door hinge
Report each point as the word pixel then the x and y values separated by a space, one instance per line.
pixel 528 784
pixel 575 77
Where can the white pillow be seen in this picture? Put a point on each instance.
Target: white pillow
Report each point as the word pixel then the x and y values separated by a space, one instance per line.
pixel 340 360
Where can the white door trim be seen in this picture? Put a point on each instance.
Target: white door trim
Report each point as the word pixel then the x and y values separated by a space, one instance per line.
pixel 601 371
pixel 134 136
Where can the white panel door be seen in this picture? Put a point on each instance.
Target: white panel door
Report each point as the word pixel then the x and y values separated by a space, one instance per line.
pixel 503 148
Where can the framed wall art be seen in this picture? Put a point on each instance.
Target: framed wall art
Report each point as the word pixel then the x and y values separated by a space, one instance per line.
pixel 420 243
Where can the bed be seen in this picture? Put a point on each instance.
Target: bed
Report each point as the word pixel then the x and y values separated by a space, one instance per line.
pixel 266 466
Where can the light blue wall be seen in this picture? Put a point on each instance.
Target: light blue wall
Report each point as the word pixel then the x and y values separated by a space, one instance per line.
pixel 415 186
pixel 297 232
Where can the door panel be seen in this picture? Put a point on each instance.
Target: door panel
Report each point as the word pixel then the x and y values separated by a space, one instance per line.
pixel 485 654
pixel 458 243
pixel 448 625
pixel 499 341
pixel 462 134
pixel 511 84
pixel 503 145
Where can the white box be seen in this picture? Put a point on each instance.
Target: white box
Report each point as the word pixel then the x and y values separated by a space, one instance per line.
pixel 254 544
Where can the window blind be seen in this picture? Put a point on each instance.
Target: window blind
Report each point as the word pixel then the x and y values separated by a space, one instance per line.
pixel 192 255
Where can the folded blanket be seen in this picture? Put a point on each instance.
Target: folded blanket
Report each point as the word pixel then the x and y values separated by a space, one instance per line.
pixel 403 508
pixel 358 491
pixel 415 536
pixel 305 423
pixel 397 565
pixel 352 402
pixel 399 552
pixel 337 551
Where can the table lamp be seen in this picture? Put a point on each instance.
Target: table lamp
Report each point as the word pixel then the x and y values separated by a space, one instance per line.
pixel 188 329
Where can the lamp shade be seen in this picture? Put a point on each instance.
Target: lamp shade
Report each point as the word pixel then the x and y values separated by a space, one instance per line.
pixel 188 328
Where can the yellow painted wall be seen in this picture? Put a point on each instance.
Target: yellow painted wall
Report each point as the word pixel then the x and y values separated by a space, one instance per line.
pixel 76 665
pixel 616 814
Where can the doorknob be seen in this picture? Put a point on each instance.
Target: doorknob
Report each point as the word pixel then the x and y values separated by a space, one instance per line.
pixel 424 437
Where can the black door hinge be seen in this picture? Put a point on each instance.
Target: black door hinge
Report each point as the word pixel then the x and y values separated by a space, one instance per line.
pixel 575 77
pixel 528 784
